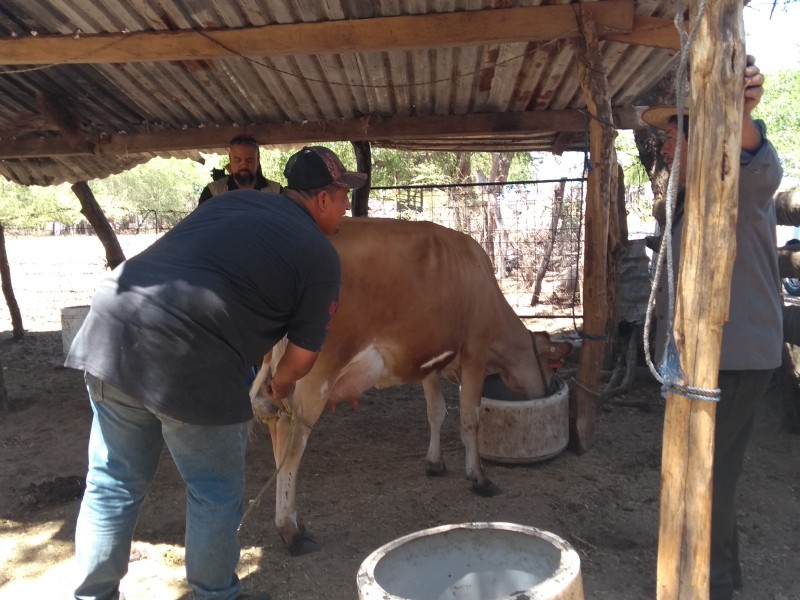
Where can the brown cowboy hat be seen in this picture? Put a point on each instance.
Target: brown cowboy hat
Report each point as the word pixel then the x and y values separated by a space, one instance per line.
pixel 659 116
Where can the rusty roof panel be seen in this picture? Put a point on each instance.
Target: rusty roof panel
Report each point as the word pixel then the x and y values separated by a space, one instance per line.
pixel 245 90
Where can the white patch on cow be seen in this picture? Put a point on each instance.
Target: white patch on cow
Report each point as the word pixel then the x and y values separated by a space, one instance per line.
pixel 361 373
pixel 323 389
pixel 443 358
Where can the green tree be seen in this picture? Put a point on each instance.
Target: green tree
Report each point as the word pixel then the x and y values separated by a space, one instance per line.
pixel 161 192
pixel 37 207
pixel 780 110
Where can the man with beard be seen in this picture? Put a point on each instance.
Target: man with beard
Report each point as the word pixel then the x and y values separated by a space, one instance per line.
pixel 244 171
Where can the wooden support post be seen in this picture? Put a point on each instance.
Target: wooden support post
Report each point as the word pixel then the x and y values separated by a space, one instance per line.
pixel 363 152
pixel 94 214
pixel 583 398
pixel 5 406
pixel 707 255
pixel 18 331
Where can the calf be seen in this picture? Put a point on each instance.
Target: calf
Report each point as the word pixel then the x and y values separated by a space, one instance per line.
pixel 417 300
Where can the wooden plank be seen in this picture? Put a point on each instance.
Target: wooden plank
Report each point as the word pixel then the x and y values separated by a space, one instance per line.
pixel 518 125
pixel 707 256
pixel 596 305
pixel 648 31
pixel 477 27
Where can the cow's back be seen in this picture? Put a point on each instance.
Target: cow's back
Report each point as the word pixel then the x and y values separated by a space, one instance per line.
pixel 416 290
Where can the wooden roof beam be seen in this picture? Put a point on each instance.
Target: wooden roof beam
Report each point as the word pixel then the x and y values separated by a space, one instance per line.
pixel 615 21
pixel 647 31
pixel 517 124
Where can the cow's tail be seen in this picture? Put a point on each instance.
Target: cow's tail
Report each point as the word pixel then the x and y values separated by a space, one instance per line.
pixel 261 376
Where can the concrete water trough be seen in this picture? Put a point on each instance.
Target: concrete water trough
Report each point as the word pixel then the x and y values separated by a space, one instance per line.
pixel 473 561
pixel 514 430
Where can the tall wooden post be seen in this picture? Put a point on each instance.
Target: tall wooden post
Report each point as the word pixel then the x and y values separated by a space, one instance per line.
pixel 94 214
pixel 363 152
pixel 18 331
pixel 583 398
pixel 707 255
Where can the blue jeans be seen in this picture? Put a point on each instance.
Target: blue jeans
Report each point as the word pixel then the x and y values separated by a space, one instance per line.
pixel 124 449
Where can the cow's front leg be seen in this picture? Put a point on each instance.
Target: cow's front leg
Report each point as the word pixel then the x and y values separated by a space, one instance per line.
pixel 290 436
pixel 470 398
pixel 434 401
pixel 289 439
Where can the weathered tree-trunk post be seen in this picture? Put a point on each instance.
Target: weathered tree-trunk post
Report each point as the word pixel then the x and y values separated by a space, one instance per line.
pixel 4 405
pixel 583 398
pixel 615 252
pixel 547 251
pixel 363 152
pixel 501 163
pixel 17 329
pixel 707 255
pixel 461 198
pixel 94 214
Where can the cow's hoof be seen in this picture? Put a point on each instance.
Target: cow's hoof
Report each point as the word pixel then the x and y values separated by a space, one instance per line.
pixel 486 489
pixel 435 469
pixel 301 544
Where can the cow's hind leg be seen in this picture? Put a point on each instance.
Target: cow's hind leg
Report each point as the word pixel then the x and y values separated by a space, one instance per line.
pixel 434 400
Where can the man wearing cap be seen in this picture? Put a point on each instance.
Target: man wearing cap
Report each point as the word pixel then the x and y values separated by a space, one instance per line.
pixel 165 350
pixel 752 336
pixel 243 171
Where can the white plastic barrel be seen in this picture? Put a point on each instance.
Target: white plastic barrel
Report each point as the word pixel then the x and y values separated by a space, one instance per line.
pixel 71 320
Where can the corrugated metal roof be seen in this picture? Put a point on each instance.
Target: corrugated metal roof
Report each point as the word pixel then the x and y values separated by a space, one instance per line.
pixel 140 107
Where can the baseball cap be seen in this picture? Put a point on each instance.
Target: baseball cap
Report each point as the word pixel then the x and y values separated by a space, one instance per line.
pixel 659 116
pixel 314 167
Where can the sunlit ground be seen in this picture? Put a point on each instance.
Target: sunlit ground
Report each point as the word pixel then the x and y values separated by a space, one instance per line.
pixel 43 567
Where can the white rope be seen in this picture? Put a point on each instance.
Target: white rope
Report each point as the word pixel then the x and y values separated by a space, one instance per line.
pixel 665 251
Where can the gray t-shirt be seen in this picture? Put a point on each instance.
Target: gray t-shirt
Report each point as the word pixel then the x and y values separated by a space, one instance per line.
pixel 178 325
pixel 753 335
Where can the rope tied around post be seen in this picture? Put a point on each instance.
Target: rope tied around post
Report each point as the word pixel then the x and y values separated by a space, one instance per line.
pixel 671 373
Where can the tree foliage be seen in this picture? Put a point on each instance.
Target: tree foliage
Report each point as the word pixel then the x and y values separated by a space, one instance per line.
pixel 162 191
pixel 39 207
pixel 166 189
pixel 780 110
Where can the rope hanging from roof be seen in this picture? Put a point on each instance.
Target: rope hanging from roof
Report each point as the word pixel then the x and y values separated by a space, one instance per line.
pixel 668 373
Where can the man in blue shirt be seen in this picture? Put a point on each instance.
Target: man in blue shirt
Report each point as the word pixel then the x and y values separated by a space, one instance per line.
pixel 166 349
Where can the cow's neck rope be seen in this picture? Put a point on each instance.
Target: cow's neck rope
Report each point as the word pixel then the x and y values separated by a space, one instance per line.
pixel 548 388
pixel 293 421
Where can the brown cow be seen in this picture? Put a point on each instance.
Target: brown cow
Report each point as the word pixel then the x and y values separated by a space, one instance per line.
pixel 417 300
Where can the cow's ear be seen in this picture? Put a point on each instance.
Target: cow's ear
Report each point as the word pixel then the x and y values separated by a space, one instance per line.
pixel 558 350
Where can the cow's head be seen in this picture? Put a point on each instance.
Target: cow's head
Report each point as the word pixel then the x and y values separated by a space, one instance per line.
pixel 532 374
pixel 549 356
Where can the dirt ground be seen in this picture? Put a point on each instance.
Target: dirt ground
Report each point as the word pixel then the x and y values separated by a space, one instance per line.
pixel 362 478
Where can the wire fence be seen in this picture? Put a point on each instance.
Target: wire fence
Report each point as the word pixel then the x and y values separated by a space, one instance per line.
pixel 531 231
